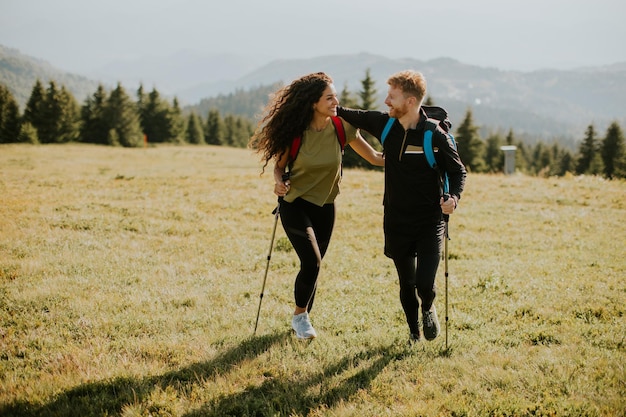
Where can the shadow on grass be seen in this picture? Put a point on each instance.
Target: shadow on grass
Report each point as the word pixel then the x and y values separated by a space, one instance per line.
pixel 110 396
pixel 319 391
pixel 275 396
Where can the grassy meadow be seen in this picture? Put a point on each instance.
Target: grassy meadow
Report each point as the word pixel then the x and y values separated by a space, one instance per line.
pixel 130 281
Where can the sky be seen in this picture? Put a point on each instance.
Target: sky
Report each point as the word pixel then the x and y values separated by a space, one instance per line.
pixel 525 35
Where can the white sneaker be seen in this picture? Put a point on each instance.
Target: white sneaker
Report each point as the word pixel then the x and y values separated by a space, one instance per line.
pixel 302 326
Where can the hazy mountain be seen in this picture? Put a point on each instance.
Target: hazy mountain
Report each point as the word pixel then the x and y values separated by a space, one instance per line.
pixel 20 72
pixel 546 103
pixel 178 74
pixel 542 104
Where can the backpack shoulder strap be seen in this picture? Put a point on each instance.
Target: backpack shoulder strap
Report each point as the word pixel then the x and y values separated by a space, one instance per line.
pixel 431 125
pixel 429 153
pixel 295 147
pixel 386 130
pixel 341 132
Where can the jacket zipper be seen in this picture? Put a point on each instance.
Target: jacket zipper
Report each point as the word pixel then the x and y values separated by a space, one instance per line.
pixel 402 148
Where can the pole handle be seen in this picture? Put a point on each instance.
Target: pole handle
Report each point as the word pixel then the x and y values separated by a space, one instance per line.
pixel 446 217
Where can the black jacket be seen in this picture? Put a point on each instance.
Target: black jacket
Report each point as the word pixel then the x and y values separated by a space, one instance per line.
pixel 412 187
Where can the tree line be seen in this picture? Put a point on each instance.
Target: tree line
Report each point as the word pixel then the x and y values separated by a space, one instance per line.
pixel 52 115
pixel 603 156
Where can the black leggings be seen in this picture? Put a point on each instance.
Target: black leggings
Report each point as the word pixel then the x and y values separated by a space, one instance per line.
pixel 417 271
pixel 309 228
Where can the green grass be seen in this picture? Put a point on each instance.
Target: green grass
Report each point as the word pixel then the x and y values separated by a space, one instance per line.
pixel 130 282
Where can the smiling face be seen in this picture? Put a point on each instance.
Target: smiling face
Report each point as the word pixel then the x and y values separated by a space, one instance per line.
pixel 397 102
pixel 328 102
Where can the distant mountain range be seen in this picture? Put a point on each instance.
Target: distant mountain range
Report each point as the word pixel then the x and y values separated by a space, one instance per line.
pixel 19 72
pixel 545 104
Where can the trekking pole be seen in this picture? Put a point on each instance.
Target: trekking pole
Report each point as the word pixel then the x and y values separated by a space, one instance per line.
pixel 446 237
pixel 276 213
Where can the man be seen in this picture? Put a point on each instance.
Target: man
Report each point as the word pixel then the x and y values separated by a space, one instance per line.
pixel 414 204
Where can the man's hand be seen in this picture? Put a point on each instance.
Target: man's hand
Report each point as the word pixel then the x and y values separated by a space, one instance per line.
pixel 448 204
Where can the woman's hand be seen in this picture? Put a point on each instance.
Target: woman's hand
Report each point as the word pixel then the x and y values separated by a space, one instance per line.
pixel 281 178
pixel 281 188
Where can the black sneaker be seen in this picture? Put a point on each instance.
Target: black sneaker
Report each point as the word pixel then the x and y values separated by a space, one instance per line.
pixel 431 324
pixel 414 338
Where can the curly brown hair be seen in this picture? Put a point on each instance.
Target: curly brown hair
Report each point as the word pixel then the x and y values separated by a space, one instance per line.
pixel 287 115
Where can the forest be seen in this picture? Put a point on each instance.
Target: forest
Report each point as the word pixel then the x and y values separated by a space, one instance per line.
pixel 119 118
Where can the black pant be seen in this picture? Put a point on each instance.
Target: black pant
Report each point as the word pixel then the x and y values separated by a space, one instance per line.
pixel 309 228
pixel 417 270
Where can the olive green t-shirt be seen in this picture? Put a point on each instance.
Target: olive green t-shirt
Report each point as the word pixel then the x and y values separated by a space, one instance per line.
pixel 316 171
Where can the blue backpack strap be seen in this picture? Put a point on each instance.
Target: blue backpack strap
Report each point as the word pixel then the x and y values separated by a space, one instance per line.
pixel 446 186
pixel 428 143
pixel 429 152
pixel 386 130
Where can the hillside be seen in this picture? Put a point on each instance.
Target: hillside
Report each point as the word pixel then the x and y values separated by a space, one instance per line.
pixel 545 104
pixel 19 73
pixel 537 105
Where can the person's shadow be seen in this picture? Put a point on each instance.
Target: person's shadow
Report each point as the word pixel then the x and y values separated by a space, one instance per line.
pixel 274 395
pixel 284 396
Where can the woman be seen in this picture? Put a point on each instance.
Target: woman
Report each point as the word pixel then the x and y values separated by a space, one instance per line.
pixel 309 184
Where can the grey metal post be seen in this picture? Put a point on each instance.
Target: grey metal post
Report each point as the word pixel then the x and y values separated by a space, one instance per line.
pixel 509 159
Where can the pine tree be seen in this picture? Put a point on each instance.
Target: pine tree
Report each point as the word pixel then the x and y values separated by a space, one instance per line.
pixel 194 133
pixel 54 113
pixel 368 92
pixel 494 157
pixel 612 149
pixel 141 101
pixel 35 107
pixel 542 159
pixel 597 166
pixel 94 127
pixel 620 167
pixel 587 150
pixel 346 99
pixel 368 102
pixel 214 132
pixel 175 123
pixel 229 130
pixel 68 120
pixel 154 117
pixel 522 157
pixel 563 161
pixel 28 134
pixel 242 135
pixel 567 163
pixel 9 116
pixel 237 131
pixel 48 127
pixel 122 119
pixel 470 145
